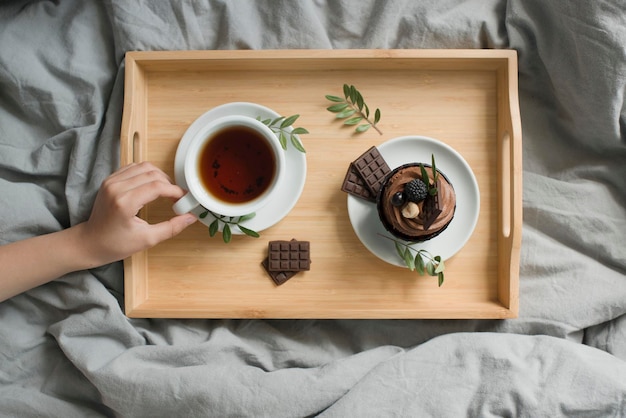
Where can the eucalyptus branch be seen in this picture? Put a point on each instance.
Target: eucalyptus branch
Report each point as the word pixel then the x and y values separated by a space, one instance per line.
pixel 433 265
pixel 353 106
pixel 279 127
pixel 228 221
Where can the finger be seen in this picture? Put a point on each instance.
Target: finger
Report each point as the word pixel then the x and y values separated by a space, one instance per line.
pixel 148 192
pixel 139 179
pixel 121 171
pixel 134 169
pixel 170 228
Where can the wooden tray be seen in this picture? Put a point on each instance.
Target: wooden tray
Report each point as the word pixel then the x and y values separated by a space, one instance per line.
pixel 465 98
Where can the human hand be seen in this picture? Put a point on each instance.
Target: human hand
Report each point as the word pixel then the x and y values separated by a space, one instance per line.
pixel 114 231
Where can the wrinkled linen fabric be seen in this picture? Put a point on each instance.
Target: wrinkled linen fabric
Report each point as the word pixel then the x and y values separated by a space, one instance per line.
pixel 67 349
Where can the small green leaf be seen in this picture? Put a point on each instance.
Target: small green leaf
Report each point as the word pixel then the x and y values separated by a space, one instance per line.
pixel 334 98
pixel 337 107
pixel 297 144
pixel 203 214
pixel 430 268
pixel 419 264
pixel 363 128
pixel 278 119
pixel 346 113
pixel 359 101
pixel 289 121
pixel 226 233
pixel 435 175
pixel 440 277
pixel 408 259
pixel 299 131
pixel 353 92
pixel 214 227
pixel 367 110
pixel 399 249
pixel 246 217
pixel 346 91
pixel 440 265
pixel 353 121
pixel 424 174
pixel 248 232
pixel 282 138
pixel 376 116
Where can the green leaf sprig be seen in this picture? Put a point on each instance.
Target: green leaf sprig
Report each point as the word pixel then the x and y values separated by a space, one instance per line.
pixel 432 189
pixel 279 126
pixel 228 221
pixel 421 260
pixel 353 108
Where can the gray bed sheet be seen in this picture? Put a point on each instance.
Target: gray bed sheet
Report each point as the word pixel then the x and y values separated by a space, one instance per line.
pixel 68 350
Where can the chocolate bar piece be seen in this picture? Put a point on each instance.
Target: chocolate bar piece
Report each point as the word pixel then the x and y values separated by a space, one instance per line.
pixel 373 168
pixel 279 277
pixel 431 210
pixel 286 258
pixel 354 184
pixel 291 255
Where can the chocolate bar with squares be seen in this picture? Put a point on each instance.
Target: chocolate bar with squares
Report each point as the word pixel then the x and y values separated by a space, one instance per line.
pixel 372 168
pixel 291 255
pixel 354 184
pixel 279 277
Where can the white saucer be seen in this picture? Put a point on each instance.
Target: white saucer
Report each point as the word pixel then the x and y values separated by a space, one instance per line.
pixel 289 193
pixel 407 149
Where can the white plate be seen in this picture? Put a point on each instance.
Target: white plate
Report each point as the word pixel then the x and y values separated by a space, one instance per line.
pixel 289 193
pixel 407 149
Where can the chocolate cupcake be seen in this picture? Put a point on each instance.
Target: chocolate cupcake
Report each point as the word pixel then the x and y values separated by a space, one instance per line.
pixel 415 208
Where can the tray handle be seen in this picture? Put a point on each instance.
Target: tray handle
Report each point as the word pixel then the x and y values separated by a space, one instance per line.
pixel 507 185
pixel 132 142
pixel 134 127
pixel 510 149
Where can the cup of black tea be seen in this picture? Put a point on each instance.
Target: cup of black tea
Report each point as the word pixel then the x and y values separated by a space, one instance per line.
pixel 233 167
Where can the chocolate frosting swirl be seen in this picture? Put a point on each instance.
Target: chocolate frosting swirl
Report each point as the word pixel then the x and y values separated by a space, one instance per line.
pixel 413 229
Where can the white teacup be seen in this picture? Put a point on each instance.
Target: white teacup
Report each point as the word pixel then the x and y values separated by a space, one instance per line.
pixel 232 167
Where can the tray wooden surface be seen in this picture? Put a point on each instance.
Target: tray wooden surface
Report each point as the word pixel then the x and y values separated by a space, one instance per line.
pixel 465 98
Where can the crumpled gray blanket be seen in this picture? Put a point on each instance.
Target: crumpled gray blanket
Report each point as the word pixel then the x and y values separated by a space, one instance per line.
pixel 68 350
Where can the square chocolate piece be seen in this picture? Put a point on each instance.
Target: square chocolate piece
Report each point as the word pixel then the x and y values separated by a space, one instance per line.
pixel 279 277
pixel 291 255
pixel 373 168
pixel 354 184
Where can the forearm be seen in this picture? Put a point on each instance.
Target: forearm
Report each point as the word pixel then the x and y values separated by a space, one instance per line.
pixel 113 232
pixel 31 262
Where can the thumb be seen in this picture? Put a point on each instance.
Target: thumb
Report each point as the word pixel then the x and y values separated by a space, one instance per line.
pixel 180 222
pixel 169 229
